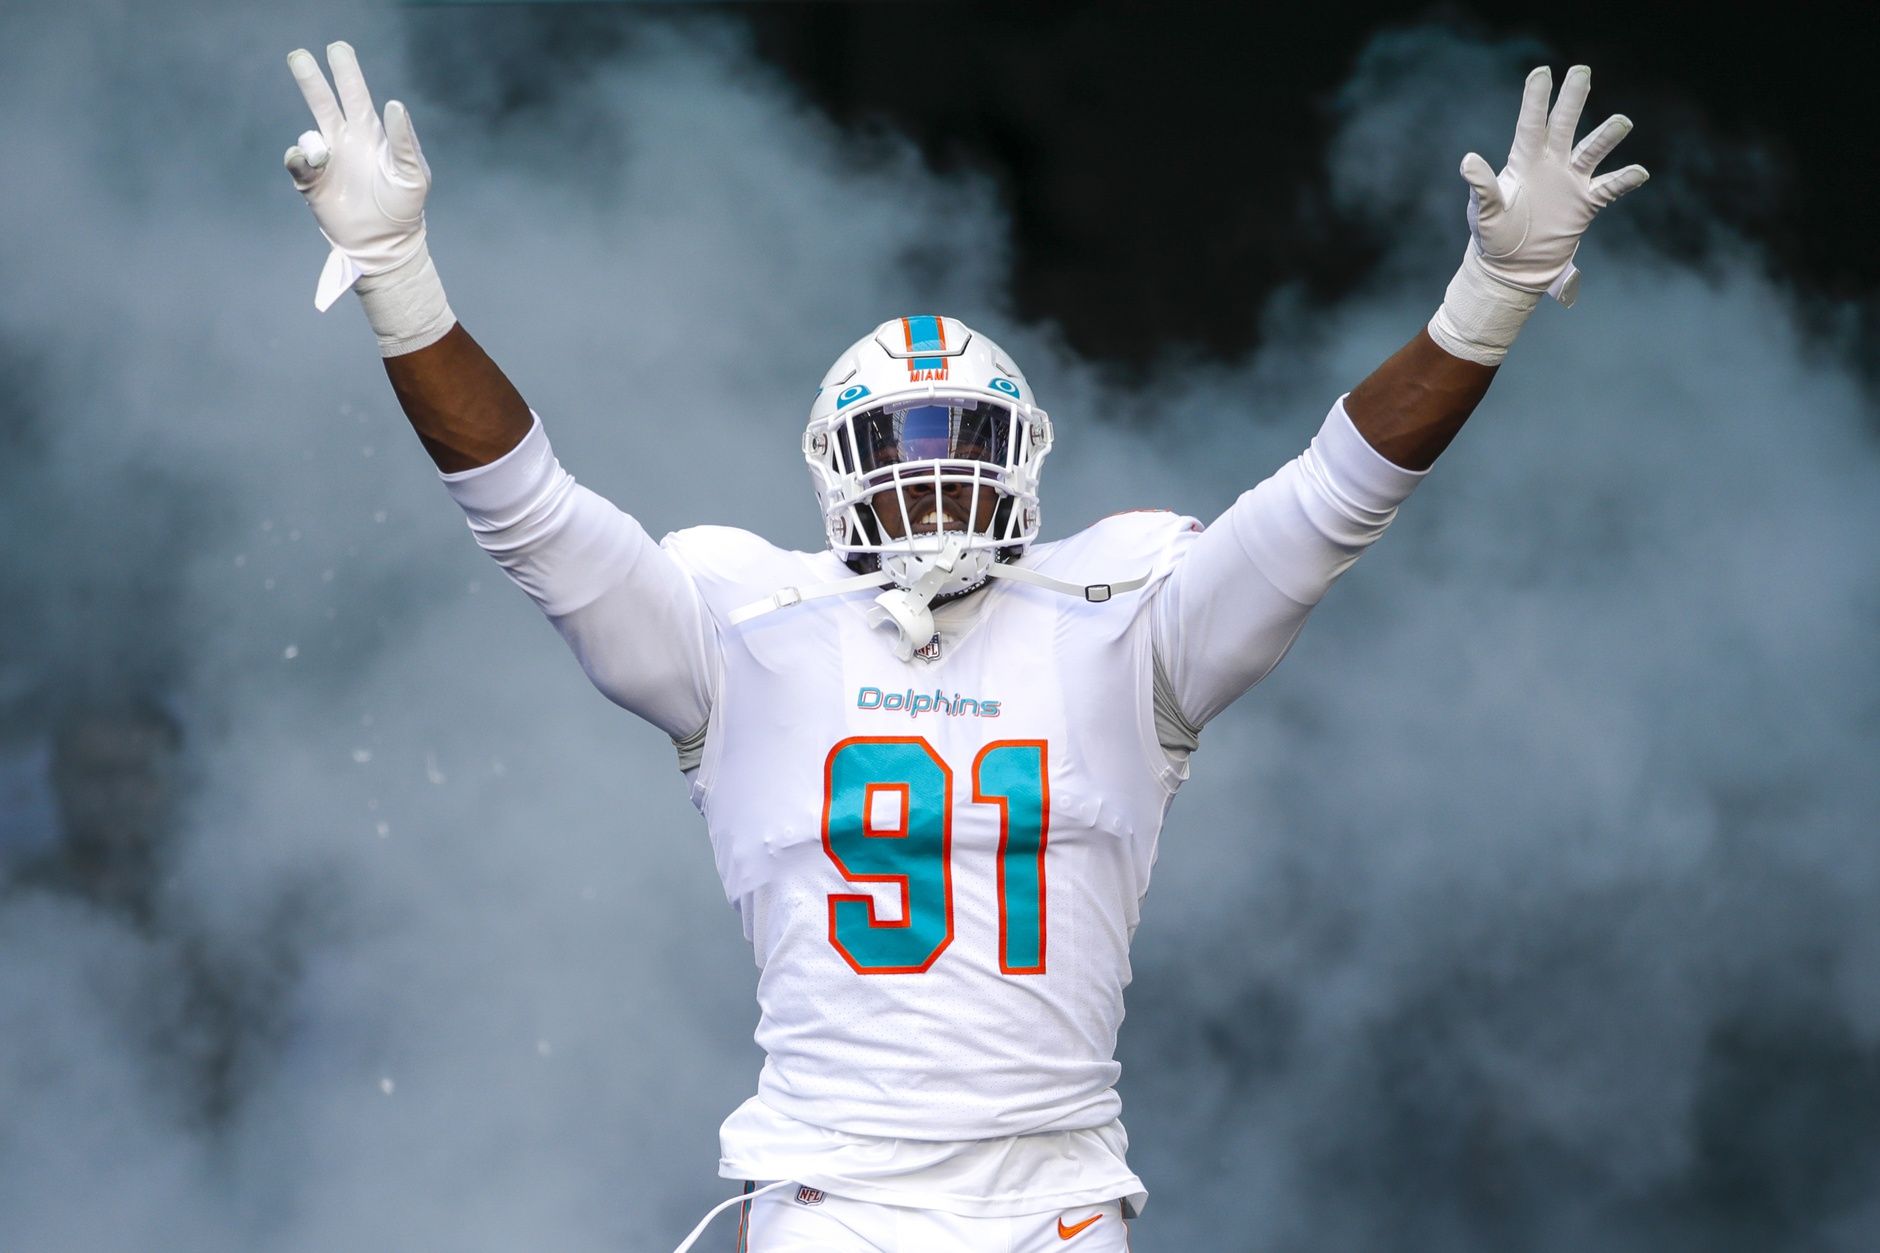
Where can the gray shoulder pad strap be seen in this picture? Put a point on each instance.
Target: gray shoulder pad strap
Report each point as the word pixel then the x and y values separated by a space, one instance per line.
pixel 691 749
pixel 1178 736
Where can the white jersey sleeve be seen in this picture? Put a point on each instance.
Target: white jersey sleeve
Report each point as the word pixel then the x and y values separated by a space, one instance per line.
pixel 631 615
pixel 1231 607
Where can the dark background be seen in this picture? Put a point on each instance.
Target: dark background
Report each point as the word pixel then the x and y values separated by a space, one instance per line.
pixel 1162 164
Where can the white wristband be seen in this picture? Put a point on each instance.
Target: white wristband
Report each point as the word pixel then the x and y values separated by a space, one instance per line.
pixel 406 305
pixel 1480 315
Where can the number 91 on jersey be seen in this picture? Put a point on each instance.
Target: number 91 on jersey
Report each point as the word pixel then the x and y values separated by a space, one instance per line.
pixel 915 853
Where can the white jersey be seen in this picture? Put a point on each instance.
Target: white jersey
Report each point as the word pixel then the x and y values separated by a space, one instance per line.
pixel 939 862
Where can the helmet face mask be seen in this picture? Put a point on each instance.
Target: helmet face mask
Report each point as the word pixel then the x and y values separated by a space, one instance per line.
pixel 929 465
pixel 923 433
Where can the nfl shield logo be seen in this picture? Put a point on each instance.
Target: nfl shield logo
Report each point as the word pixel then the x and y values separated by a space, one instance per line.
pixel 808 1196
pixel 929 651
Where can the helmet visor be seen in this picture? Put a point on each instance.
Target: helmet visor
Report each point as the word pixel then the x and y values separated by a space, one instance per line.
pixel 965 430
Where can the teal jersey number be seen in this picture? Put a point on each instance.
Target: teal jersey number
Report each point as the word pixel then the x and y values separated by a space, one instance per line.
pixel 914 852
pixel 1011 775
pixel 902 784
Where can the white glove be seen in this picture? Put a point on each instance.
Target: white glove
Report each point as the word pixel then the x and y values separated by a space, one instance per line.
pixel 1525 223
pixel 368 196
pixel 366 183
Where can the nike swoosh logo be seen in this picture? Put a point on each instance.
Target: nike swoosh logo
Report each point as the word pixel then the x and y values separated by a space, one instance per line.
pixel 1065 1233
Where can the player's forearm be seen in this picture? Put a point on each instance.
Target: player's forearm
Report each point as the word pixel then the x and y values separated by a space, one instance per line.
pixel 465 410
pixel 1525 225
pixel 1412 405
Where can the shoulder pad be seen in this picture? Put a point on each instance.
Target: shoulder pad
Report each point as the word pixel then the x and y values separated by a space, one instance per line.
pixel 732 567
pixel 1120 546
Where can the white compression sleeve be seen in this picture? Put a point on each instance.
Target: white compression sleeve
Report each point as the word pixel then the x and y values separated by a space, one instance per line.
pixel 1230 609
pixel 406 305
pixel 632 617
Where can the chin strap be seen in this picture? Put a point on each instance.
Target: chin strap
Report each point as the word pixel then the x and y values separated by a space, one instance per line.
pixel 1095 593
pixel 784 597
pixel 910 609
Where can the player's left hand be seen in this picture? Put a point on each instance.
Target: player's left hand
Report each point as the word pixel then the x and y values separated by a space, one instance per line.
pixel 1525 223
pixel 368 192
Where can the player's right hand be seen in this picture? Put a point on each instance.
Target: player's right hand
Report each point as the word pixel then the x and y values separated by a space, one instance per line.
pixel 368 195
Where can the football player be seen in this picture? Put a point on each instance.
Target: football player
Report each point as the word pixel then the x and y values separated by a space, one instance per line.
pixel 934 758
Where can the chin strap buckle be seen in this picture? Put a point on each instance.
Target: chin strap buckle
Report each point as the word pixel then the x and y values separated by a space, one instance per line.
pixel 908 614
pixel 908 608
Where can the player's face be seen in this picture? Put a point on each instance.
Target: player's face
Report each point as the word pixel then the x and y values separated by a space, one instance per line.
pixel 956 434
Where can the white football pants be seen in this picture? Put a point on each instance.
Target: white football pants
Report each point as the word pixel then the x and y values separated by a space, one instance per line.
pixel 796 1219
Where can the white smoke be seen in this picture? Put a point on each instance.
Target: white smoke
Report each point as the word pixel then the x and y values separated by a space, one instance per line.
pixel 1528 904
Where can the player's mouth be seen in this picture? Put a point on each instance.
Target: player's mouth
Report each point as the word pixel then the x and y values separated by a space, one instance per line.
pixel 927 515
pixel 921 511
pixel 931 517
pixel 938 520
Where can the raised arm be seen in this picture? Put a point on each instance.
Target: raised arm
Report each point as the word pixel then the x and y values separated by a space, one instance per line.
pixel 366 182
pixel 1524 227
pixel 632 617
pixel 1233 605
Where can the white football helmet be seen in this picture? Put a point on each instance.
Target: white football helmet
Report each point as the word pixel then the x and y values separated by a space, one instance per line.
pixel 925 448
pixel 923 440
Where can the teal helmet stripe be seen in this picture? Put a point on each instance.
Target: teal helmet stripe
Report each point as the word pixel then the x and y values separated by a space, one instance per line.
pixel 925 334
